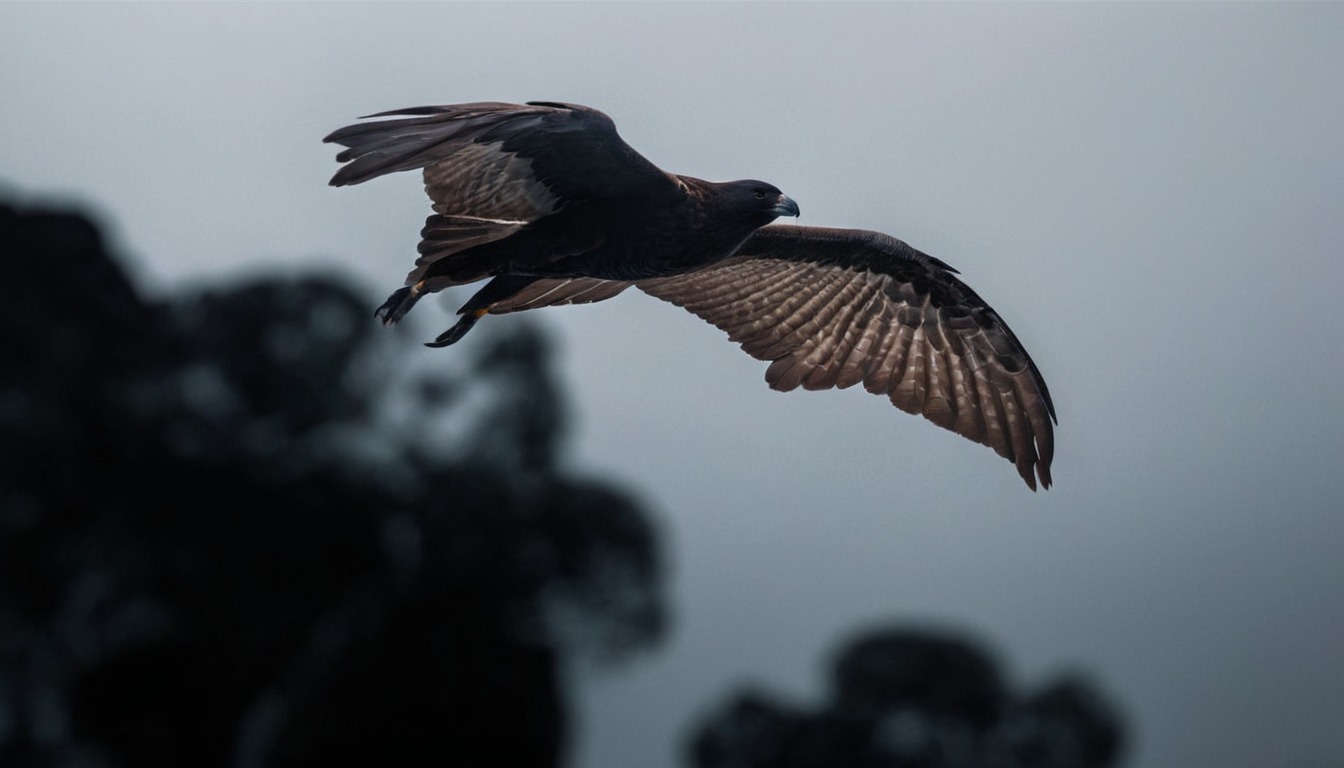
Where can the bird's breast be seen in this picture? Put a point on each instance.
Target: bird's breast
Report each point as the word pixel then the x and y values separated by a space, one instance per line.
pixel 641 241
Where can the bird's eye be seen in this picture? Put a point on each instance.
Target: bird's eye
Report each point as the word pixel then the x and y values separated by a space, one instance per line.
pixel 760 194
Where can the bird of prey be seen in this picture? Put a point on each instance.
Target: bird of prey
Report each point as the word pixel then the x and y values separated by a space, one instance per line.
pixel 546 202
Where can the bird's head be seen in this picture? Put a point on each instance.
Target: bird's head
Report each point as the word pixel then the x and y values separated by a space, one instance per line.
pixel 759 200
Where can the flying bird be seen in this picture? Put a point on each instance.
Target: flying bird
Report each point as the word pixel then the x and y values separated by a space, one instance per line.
pixel 548 203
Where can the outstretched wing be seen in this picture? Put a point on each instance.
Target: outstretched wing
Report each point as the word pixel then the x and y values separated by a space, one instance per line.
pixel 490 168
pixel 492 160
pixel 835 307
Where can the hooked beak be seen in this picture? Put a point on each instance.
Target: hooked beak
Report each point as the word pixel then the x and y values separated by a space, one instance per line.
pixel 786 207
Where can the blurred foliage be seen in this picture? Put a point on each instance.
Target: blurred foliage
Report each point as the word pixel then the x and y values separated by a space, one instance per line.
pixel 246 526
pixel 233 532
pixel 914 698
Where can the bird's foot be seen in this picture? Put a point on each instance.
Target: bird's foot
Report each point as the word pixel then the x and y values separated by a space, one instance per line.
pixel 399 303
pixel 454 334
pixel 394 308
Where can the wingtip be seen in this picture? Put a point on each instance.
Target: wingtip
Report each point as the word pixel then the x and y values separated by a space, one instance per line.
pixel 345 177
pixel 1037 476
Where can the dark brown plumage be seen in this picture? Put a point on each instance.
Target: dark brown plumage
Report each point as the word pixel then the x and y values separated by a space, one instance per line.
pixel 547 201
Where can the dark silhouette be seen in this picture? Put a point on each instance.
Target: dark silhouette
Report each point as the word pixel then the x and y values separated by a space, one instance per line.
pixel 914 699
pixel 547 203
pixel 238 528
pixel 228 536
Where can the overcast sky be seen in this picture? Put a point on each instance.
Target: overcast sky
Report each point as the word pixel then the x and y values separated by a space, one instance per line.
pixel 1152 195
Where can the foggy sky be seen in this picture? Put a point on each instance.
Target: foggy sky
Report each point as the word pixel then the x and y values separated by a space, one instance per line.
pixel 1151 195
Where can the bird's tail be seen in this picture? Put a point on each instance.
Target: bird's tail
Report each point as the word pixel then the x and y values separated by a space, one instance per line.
pixel 446 246
pixel 445 242
pixel 450 254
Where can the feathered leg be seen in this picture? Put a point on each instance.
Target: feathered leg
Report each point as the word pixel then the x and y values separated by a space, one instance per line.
pixel 455 334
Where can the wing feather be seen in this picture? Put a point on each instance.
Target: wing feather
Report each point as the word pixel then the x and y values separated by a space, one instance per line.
pixel 495 160
pixel 799 323
pixel 491 168
pixel 866 330
pixel 967 420
pixel 837 337
pixel 835 307
pixel 910 389
pixel 556 292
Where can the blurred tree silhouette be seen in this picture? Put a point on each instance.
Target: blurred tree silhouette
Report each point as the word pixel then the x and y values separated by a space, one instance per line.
pixel 240 528
pixel 907 698
pixel 232 531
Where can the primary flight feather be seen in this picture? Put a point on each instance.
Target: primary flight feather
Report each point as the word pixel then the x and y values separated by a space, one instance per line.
pixel 553 207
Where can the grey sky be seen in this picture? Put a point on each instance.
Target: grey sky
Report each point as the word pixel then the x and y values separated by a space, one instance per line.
pixel 1152 196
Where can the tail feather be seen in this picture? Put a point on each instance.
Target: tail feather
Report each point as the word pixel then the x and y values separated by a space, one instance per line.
pixel 446 238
